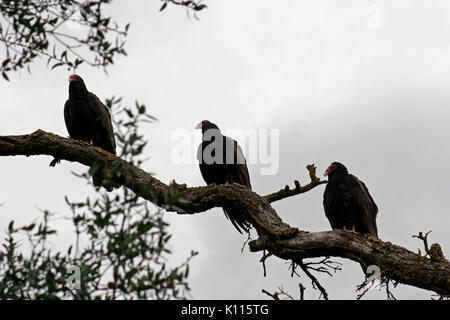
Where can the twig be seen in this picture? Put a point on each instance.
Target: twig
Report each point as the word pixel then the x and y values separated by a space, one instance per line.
pixel 263 261
pixel 314 280
pixel 246 241
pixel 389 294
pixel 324 265
pixel 302 291
pixel 276 295
pixel 424 238
pixel 273 295
pixel 287 192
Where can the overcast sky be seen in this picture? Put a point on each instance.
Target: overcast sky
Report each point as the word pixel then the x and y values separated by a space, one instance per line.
pixel 365 83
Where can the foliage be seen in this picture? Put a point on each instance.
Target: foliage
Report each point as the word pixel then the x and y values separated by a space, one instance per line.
pixel 65 32
pixel 120 248
pixel 191 6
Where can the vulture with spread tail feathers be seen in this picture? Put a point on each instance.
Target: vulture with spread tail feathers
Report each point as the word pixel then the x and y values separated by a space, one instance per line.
pixel 89 120
pixel 222 161
pixel 348 203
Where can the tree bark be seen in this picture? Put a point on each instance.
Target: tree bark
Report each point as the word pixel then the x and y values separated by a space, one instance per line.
pixel 431 271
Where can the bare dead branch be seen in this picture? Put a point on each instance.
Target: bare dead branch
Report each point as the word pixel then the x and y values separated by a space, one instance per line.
pixel 434 252
pixel 396 262
pixel 263 261
pixel 424 238
pixel 274 296
pixel 287 192
pixel 389 294
pixel 326 265
pixel 302 291
pixel 315 282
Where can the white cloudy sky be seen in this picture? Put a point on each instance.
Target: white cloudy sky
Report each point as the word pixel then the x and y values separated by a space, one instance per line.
pixel 338 84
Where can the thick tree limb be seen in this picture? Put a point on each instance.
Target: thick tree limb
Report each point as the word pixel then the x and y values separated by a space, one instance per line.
pixel 276 237
pixel 395 262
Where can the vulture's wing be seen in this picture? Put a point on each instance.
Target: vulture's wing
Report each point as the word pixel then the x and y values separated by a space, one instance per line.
pixel 104 132
pixel 238 166
pixel 241 167
pixel 364 203
pixel 329 210
pixel 208 171
pixel 68 118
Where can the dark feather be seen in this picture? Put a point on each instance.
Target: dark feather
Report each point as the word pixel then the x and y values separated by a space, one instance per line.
pixel 227 166
pixel 348 203
pixel 88 119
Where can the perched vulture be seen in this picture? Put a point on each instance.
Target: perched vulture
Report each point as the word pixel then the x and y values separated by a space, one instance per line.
pixel 221 162
pixel 348 203
pixel 88 119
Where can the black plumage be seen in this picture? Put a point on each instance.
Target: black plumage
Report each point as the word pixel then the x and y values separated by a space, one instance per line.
pixel 222 161
pixel 348 203
pixel 89 120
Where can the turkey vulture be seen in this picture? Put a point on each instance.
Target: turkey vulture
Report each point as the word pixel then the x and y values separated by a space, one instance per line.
pixel 88 119
pixel 222 161
pixel 348 203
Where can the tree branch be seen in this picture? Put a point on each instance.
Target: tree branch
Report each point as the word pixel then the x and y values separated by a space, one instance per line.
pixel 396 263
pixel 314 280
pixel 287 192
pixel 275 236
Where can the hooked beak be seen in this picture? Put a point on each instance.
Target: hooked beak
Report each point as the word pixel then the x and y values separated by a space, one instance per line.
pixel 329 169
pixel 198 126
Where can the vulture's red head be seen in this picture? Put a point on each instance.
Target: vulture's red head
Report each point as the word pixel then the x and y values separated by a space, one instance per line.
pixel 330 169
pixel 74 78
pixel 202 124
pixel 205 125
pixel 77 87
pixel 336 169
